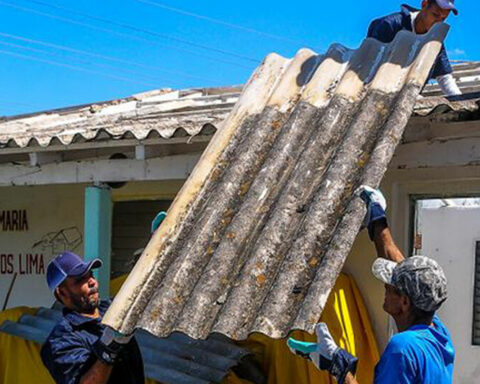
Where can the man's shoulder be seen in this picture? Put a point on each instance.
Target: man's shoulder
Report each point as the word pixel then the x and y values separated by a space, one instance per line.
pixel 63 330
pixel 404 342
pixel 385 28
pixel 63 327
pixel 393 17
pixel 58 336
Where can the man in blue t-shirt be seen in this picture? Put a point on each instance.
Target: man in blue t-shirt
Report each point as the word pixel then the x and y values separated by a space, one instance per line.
pixel 420 21
pixel 415 288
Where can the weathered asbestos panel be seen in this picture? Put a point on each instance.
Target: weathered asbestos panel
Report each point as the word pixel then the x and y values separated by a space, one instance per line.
pixel 258 234
pixel 167 114
pixel 164 115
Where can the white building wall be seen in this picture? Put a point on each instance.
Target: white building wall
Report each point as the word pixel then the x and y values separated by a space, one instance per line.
pixel 55 223
pixel 55 217
pixel 449 235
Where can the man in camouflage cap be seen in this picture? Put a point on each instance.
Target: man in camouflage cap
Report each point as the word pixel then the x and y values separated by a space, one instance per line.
pixel 418 277
pixel 415 287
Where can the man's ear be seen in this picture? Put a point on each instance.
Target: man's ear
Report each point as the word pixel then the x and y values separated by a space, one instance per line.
pixel 405 302
pixel 60 294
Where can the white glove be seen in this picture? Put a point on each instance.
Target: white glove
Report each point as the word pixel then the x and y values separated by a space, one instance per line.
pixel 375 201
pixel 325 354
pixel 326 346
pixel 448 85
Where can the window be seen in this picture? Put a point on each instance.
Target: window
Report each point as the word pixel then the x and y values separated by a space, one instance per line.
pixel 447 230
pixel 131 231
pixel 476 298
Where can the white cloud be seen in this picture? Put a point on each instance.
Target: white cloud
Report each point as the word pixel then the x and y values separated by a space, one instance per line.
pixel 457 52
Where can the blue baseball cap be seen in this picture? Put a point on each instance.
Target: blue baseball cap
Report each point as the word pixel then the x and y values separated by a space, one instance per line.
pixel 68 264
pixel 447 4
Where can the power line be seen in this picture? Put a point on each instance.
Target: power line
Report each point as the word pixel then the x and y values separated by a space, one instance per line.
pixel 89 54
pixel 143 30
pixel 220 22
pixel 116 33
pixel 100 56
pixel 9 111
pixel 72 67
pixel 107 66
pixel 17 104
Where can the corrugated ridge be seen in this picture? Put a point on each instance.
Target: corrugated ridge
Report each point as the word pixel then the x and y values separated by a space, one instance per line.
pixel 185 113
pixel 223 264
pixel 174 360
pixel 191 198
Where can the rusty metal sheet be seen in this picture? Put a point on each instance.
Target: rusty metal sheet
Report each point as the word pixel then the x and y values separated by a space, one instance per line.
pixel 257 236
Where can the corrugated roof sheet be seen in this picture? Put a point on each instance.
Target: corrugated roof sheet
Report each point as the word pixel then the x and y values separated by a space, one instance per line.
pixel 162 113
pixel 258 234
pixel 167 113
pixel 467 75
pixel 174 360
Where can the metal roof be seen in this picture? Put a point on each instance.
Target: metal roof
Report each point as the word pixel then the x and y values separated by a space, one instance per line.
pixel 257 236
pixel 168 113
pixel 177 359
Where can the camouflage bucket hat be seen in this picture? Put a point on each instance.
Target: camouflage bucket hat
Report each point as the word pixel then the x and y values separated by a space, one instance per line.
pixel 419 277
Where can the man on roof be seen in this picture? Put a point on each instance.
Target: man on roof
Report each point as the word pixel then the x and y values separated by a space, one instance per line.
pixel 415 288
pixel 420 21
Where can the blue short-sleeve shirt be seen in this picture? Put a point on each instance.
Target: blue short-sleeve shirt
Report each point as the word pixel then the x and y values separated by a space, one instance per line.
pixel 420 355
pixel 385 28
pixel 68 351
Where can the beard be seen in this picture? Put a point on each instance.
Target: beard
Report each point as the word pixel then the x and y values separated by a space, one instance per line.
pixel 86 304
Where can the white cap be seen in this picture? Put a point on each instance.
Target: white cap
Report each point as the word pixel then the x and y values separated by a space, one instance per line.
pixel 447 4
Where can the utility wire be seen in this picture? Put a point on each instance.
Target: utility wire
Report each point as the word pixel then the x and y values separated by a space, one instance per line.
pixel 89 63
pixel 17 104
pixel 143 30
pixel 7 109
pixel 89 54
pixel 220 22
pixel 100 56
pixel 116 33
pixel 72 67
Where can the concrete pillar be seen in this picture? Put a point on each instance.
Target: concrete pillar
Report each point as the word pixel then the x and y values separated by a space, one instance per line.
pixel 98 233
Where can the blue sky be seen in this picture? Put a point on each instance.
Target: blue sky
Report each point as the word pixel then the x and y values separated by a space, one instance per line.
pixel 57 53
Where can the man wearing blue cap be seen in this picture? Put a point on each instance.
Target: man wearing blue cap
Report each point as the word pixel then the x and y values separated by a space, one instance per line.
pixel 415 288
pixel 81 350
pixel 420 21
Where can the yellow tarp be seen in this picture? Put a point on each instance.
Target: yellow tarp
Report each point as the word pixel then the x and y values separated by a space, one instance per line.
pixel 345 314
pixel 20 360
pixel 349 325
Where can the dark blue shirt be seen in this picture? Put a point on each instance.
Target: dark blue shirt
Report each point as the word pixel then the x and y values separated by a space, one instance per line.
pixel 68 351
pixel 385 28
pixel 419 355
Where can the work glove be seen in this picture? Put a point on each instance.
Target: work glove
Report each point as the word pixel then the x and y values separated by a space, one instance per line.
pixel 376 206
pixel 157 221
pixel 325 354
pixel 110 344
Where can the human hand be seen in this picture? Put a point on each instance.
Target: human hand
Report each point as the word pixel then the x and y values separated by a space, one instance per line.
pixel 376 206
pixel 325 354
pixel 110 344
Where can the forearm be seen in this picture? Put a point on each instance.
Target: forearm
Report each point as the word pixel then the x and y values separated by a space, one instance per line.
pixel 384 243
pixel 350 379
pixel 99 373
